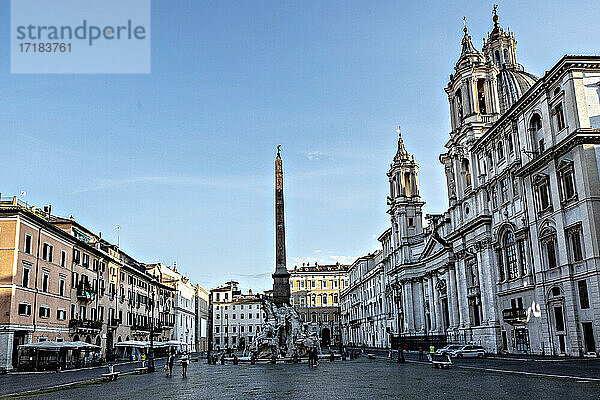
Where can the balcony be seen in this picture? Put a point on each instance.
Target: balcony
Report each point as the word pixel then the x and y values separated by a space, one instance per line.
pixel 85 293
pixel 79 325
pixel 167 325
pixel 514 315
pixel 141 328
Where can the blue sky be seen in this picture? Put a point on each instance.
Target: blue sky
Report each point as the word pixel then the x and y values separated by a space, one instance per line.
pixel 182 158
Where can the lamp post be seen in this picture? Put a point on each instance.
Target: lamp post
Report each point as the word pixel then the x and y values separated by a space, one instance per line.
pixel 151 353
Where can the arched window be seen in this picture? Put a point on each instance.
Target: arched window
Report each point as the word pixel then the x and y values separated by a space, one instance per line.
pixel 497 57
pixel 510 254
pixel 324 300
pixel 467 171
pixel 407 184
pixel 459 104
pixel 506 56
pixel 537 133
pixel 481 96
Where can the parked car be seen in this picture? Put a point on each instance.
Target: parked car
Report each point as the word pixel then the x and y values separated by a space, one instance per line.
pixel 468 351
pixel 447 349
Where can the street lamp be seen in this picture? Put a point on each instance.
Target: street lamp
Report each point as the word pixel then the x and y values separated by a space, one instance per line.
pixel 151 353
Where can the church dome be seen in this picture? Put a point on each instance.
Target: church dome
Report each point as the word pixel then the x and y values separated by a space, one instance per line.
pixel 513 82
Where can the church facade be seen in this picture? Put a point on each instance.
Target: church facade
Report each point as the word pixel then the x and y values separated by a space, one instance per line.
pixel 514 263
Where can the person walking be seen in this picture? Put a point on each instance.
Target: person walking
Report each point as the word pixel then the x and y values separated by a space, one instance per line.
pixel 431 352
pixel 420 353
pixel 185 360
pixel 171 362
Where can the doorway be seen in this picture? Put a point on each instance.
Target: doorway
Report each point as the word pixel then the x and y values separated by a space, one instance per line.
pixel 325 337
pixel 18 340
pixel 588 337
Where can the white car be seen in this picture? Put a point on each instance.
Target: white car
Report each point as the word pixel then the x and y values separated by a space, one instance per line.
pixel 468 350
pixel 447 349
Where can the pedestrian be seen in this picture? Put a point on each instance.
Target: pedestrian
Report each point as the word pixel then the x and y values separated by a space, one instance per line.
pixel 431 352
pixel 420 352
pixel 185 360
pixel 171 362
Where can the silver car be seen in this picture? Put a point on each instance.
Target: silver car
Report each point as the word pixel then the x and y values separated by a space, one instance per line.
pixel 447 349
pixel 468 350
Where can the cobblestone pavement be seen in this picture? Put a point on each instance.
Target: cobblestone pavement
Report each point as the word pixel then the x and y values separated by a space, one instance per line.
pixel 358 379
pixel 20 382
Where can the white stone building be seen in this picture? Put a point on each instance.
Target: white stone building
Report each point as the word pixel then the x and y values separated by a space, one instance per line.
pixel 513 264
pixel 364 311
pixel 236 323
pixel 185 313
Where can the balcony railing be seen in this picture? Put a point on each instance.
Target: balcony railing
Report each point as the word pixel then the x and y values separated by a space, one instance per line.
pixel 140 328
pixel 84 325
pixel 85 293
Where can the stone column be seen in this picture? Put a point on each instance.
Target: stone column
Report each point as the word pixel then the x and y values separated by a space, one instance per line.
pixel 483 288
pixel 423 311
pixel 409 312
pixel 461 293
pixel 452 300
pixel 434 298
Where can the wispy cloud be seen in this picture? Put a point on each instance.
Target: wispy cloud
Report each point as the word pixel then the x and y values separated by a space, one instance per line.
pixel 185 180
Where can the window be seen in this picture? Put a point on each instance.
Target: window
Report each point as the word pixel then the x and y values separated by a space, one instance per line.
pixel 27 243
pixel 575 242
pixel 63 259
pixel 511 146
pixel 501 272
pixel 44 311
pixel 542 183
pixel 567 181
pixel 61 315
pixel 45 281
pixel 504 189
pixel 494 196
pixel 522 257
pixel 466 171
pixel 584 300
pixel 76 256
pixel 47 252
pixel 515 185
pixel 500 151
pixel 481 96
pixel 459 107
pixel 95 264
pixel 86 260
pixel 510 250
pixel 26 272
pixel 559 117
pixel 537 133
pixel 549 248
pixel 25 309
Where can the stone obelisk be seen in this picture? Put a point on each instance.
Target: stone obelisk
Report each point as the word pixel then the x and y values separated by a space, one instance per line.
pixel 281 277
